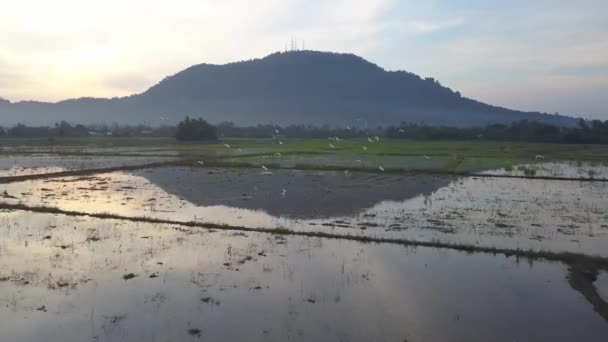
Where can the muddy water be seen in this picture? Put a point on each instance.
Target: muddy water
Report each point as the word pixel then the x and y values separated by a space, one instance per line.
pixel 78 279
pixel 494 212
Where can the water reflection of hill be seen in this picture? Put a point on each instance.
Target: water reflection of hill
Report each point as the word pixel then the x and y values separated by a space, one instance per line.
pixel 307 194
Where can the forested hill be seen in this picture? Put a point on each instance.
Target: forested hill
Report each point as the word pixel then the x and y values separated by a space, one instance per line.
pixel 298 87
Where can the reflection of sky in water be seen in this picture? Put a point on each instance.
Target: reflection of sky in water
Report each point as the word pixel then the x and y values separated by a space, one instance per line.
pixel 18 165
pixel 529 214
pixel 262 288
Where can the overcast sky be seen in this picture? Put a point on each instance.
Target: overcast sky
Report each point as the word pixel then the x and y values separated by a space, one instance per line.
pixel 545 55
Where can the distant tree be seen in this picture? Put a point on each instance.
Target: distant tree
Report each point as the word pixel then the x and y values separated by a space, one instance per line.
pixel 195 129
pixel 65 129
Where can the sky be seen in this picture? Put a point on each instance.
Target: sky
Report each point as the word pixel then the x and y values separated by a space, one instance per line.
pixel 541 55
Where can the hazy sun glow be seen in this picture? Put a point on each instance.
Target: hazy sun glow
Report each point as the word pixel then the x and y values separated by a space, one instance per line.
pixel 518 54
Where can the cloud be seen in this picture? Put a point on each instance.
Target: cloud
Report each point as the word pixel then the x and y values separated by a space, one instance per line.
pixel 73 48
pixel 70 47
pixel 432 26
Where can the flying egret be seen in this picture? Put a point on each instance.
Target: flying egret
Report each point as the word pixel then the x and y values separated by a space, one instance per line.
pixel 283 192
pixel 381 168
pixel 364 148
pixel 239 150
pixel 200 162
pixel 346 172
pixel 369 139
pixel 377 138
pixel 539 156
pixel 276 131
pixel 332 146
pixel 401 130
pixel 280 142
pixel 358 161
pixel 426 157
pixel 278 154
pixel 265 168
pixel 337 139
pixel 227 146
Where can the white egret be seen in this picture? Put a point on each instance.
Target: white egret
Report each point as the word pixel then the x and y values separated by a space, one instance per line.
pixel 332 146
pixel 381 168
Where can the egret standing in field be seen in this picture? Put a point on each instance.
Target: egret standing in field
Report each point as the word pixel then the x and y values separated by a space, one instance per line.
pixel 364 148
pixel 283 193
pixel 265 172
pixel 227 146
pixel 425 156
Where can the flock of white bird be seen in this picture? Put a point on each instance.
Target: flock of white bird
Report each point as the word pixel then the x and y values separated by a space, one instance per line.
pixel 374 139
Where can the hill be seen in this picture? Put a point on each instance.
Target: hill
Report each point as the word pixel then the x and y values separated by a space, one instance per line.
pixel 305 87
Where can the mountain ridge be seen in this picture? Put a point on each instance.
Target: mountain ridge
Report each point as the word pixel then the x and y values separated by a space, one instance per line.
pixel 295 87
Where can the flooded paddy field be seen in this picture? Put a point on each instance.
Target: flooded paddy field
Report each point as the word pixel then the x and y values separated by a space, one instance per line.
pixel 19 165
pixel 284 252
pixel 558 216
pixel 73 279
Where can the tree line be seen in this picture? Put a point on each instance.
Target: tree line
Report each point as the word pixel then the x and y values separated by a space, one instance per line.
pixel 586 132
